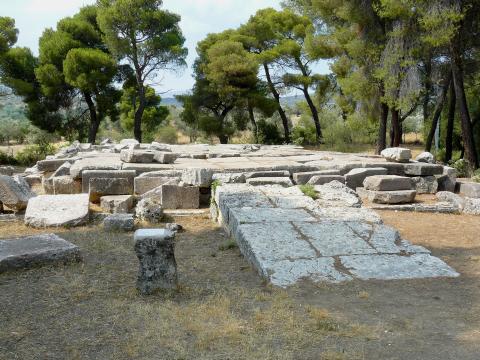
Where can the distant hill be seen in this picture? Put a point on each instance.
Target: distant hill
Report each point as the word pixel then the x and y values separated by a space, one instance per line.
pixel 12 108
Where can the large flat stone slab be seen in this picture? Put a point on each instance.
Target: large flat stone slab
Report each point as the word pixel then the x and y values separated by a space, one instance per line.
pixel 396 267
pixel 37 250
pixel 57 210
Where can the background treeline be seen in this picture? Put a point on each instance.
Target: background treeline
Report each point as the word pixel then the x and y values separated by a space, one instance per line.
pixel 396 67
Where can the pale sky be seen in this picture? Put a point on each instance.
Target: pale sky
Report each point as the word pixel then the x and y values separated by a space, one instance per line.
pixel 199 17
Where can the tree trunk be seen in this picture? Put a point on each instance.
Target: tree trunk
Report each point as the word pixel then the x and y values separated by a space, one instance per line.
pixel 382 130
pixel 450 125
pixel 396 128
pixel 137 125
pixel 94 120
pixel 428 88
pixel 467 131
pixel 254 123
pixel 276 96
pixel 316 118
pixel 436 115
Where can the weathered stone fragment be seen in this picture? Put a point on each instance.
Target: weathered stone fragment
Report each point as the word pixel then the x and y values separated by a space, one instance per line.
pixel 165 157
pixel 137 156
pixel 400 155
pixel 63 170
pixel 229 178
pixel 426 157
pixel 117 204
pixel 50 165
pixel 57 210
pixel 356 177
pixel 472 206
pixel 174 227
pixel 389 197
pixel 325 179
pixel 33 180
pixel 100 163
pixel 470 189
pixel 119 222
pixel 66 185
pixel 423 169
pixel 179 197
pixel 282 181
pixel 149 210
pixel 160 147
pixel 37 250
pixel 303 178
pixel 109 186
pixel 198 177
pixel 155 249
pixel 129 142
pixel 336 194
pixel 425 184
pixel 14 192
pixel 387 183
pixel 7 170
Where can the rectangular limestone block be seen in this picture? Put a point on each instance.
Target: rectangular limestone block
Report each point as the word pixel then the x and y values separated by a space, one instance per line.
pixel 325 179
pixel 66 185
pixel 178 197
pixel 387 183
pixel 162 157
pixel 137 156
pixel 50 165
pixel 37 250
pixel 143 185
pixel 355 177
pixel 471 190
pixel 104 186
pixel 303 178
pixel 389 197
pixel 117 204
pixel 105 174
pixel 423 169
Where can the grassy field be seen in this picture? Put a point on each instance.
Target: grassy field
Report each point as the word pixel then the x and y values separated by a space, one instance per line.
pixel 223 309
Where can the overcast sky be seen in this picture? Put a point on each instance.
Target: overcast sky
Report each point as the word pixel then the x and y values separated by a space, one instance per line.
pixel 199 17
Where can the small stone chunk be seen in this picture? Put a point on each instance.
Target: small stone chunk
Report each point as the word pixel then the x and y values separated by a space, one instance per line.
pixel 119 222
pixel 149 210
pixel 155 249
pixel 117 204
pixel 14 192
pixel 174 227
pixel 426 157
pixel 400 155
pixel 425 184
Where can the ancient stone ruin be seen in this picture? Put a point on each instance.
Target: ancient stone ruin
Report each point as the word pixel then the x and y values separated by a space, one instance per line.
pixel 295 213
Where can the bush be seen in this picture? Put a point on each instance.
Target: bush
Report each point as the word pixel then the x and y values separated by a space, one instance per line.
pixel 167 135
pixel 476 176
pixel 309 190
pixel 33 153
pixel 462 168
pixel 6 159
pixel 304 135
pixel 268 133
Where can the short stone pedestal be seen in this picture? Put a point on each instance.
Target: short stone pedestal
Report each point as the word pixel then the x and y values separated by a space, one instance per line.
pixel 155 249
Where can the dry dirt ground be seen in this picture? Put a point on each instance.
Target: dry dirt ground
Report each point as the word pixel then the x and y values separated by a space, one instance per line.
pixel 223 310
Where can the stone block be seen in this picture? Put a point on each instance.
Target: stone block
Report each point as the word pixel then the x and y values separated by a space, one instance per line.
pixel 97 163
pixel 229 178
pixel 179 197
pixel 446 183
pixel 66 185
pixel 423 169
pixel 201 177
pixel 119 222
pixel 425 184
pixel 57 210
pixel 356 177
pixel 426 157
pixel 160 147
pixel 470 189
pixel 145 184
pixel 400 155
pixel 7 170
pixel 387 183
pixel 37 250
pixel 33 180
pixel 282 181
pixel 99 187
pixel 129 142
pixel 451 198
pixel 50 165
pixel 304 178
pixel 137 156
pixel 389 197
pixel 155 249
pixel 106 174
pixel 162 174
pixel 265 174
pixel 336 194
pixel 63 170
pixel 325 179
pixel 165 157
pixel 117 204
pixel 149 210
pixel 14 192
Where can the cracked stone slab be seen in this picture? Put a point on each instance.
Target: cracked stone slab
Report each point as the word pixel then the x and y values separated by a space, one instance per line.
pixel 347 214
pixel 336 194
pixel 335 238
pixel 396 267
pixel 37 250
pixel 285 273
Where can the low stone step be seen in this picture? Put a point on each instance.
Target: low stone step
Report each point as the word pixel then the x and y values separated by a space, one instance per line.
pixel 282 181
pixel 388 197
pixel 37 250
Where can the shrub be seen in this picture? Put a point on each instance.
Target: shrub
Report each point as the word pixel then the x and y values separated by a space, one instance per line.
pixel 476 176
pixel 462 168
pixel 167 135
pixel 33 153
pixel 6 159
pixel 304 135
pixel 268 133
pixel 309 190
